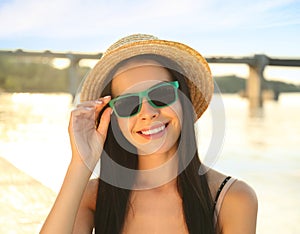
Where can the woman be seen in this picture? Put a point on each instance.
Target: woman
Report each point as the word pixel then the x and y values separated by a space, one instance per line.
pixel 142 129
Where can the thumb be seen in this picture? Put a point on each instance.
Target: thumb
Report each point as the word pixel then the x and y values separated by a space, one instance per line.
pixel 104 123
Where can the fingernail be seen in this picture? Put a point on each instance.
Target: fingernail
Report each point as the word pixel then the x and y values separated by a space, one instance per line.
pixel 112 111
pixel 99 102
pixel 106 97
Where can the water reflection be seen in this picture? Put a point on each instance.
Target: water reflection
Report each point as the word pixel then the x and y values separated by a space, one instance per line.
pixel 257 112
pixel 262 149
pixel 33 134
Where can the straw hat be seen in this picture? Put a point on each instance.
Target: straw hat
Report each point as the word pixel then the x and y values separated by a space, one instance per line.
pixel 194 67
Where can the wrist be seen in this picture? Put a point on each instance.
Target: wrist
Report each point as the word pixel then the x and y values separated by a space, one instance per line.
pixel 81 167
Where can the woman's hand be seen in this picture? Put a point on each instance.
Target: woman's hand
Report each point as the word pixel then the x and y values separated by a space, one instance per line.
pixel 87 140
pixel 87 144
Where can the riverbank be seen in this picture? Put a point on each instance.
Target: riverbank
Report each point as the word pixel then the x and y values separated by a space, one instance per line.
pixel 24 201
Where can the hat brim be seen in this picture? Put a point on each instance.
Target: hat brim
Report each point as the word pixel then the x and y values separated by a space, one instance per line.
pixel 194 68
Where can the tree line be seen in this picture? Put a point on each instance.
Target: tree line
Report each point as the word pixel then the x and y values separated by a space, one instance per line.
pixel 21 74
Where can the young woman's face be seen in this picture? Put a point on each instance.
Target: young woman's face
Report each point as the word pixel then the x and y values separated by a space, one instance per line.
pixel 151 130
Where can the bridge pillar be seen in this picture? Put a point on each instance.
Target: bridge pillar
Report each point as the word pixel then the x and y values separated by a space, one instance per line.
pixel 73 75
pixel 255 82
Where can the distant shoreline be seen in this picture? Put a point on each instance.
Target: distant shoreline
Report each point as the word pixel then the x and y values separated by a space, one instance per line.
pixel 234 84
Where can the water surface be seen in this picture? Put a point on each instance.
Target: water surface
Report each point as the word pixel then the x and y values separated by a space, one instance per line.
pixel 263 150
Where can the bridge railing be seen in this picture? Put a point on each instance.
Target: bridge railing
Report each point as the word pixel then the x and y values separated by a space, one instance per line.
pixel 256 63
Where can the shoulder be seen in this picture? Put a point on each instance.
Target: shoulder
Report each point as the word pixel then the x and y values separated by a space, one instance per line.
pixel 237 189
pixel 239 209
pixel 240 195
pixel 214 179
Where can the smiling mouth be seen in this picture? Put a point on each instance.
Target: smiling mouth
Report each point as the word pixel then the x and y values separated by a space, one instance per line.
pixel 153 131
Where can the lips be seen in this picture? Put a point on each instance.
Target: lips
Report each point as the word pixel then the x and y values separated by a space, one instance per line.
pixel 153 130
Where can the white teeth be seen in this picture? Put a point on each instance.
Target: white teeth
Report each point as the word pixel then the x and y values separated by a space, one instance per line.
pixel 154 131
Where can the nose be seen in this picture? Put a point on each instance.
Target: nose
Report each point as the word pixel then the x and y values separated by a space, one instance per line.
pixel 148 111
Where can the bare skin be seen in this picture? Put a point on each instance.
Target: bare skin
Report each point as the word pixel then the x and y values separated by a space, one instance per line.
pixel 161 209
pixel 62 216
pixel 155 210
pixel 237 215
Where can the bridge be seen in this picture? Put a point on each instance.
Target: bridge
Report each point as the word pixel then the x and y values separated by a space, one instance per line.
pixel 255 81
pixel 74 59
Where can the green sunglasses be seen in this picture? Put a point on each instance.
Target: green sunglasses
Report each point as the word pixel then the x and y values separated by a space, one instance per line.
pixel 158 96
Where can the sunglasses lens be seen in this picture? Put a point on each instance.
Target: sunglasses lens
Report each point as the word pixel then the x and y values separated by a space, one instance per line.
pixel 160 96
pixel 127 106
pixel 163 96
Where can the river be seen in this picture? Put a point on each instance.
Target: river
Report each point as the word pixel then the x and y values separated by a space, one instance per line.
pixel 261 149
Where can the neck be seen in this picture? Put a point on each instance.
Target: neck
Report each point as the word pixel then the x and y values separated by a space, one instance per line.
pixel 152 161
pixel 168 187
pixel 156 159
pixel 156 170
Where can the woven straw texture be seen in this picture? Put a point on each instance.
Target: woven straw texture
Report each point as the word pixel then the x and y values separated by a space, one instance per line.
pixel 193 65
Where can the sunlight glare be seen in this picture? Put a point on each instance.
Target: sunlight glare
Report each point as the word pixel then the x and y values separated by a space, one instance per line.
pixel 88 62
pixel 60 63
pixel 240 70
pixel 284 74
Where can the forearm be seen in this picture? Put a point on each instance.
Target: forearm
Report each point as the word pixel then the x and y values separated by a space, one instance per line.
pixel 63 213
pixel 86 145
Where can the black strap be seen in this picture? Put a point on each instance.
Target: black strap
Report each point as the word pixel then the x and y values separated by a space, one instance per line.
pixel 220 189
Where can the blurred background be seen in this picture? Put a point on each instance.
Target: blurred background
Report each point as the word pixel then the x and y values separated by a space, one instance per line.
pixel 47 47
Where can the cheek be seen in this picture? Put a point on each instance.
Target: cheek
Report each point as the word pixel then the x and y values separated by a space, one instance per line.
pixel 176 112
pixel 125 126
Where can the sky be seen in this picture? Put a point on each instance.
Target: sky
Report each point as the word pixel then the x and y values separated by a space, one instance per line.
pixel 213 27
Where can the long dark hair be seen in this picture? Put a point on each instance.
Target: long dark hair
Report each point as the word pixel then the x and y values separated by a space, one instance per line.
pixel 113 201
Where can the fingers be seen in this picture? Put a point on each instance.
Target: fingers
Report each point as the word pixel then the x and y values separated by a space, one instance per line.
pixel 85 116
pixel 104 101
pixel 82 111
pixel 89 106
pixel 104 122
pixel 95 103
pixel 86 140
